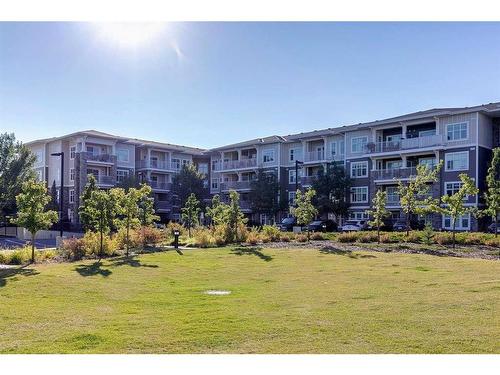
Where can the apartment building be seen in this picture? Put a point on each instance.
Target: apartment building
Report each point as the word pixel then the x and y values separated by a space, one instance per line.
pixel 375 154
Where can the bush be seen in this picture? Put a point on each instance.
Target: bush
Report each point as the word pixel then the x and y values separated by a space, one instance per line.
pixel 73 248
pixel 347 237
pixel 301 238
pixel 475 238
pixel 148 236
pixel 493 241
pixel 413 236
pixel 386 238
pixel 92 242
pixel 203 237
pixel 317 236
pixel 271 233
pixel 428 235
pixel 121 239
pixel 443 238
pixel 219 233
pixel 172 226
pixel 254 237
pixel 366 237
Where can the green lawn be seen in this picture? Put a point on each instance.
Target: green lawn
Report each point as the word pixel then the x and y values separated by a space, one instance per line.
pixel 282 301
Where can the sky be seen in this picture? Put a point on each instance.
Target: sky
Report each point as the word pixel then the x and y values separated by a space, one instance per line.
pixel 211 84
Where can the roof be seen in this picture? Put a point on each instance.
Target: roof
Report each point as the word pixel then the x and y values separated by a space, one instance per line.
pixel 257 141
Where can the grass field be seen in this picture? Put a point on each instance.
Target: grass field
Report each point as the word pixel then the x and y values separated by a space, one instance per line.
pixel 282 301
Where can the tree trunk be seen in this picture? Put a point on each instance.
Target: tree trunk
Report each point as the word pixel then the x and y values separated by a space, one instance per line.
pixel 128 241
pixel 32 248
pixel 453 234
pixel 496 223
pixel 378 233
pixel 407 224
pixel 100 248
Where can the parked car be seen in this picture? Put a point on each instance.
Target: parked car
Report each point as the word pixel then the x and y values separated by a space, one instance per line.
pixel 323 226
pixel 287 224
pixel 400 225
pixel 491 228
pixel 354 225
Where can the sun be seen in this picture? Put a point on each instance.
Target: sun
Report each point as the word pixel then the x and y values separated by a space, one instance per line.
pixel 130 34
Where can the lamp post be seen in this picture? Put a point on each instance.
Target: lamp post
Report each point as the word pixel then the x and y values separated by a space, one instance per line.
pixel 61 194
pixel 297 163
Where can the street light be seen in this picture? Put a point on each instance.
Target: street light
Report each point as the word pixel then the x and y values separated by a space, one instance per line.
pixel 61 194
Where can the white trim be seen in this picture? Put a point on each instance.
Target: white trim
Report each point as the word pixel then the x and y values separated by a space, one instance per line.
pixel 364 162
pixel 359 187
pixel 459 221
pixel 467 123
pixel 69 196
pixel 360 137
pixel 455 153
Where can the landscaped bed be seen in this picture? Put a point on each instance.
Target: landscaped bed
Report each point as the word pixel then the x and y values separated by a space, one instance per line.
pixel 290 300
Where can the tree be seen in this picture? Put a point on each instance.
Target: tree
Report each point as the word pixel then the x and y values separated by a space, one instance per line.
pixel 492 194
pixel 146 207
pixel 453 205
pixel 304 211
pixel 191 212
pixel 129 182
pixel 188 181
pixel 32 215
pixel 378 211
pixel 53 204
pixel 83 212
pixel 414 195
pixel 332 189
pixel 100 211
pixel 234 218
pixel 265 195
pixel 217 211
pixel 128 210
pixel 16 168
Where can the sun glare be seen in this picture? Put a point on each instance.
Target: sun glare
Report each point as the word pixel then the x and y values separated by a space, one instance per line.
pixel 130 34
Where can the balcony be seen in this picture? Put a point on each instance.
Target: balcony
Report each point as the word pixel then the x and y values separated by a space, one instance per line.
pixel 394 173
pixel 105 180
pixel 163 205
pixel 235 185
pixel 406 144
pixel 392 199
pixel 156 185
pixel 320 156
pixel 308 180
pixel 100 158
pixel 237 164
pixel 159 165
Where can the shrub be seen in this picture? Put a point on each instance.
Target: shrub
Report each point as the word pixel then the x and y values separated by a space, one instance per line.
pixel 73 248
pixel 474 238
pixel 4 258
pixel 92 243
pixel 203 237
pixel 121 238
pixel 46 255
pixel 148 236
pixel 271 233
pixel 347 237
pixel 366 237
pixel 317 236
pixel 413 237
pixel 386 238
pixel 172 226
pixel 494 242
pixel 254 237
pixel 428 235
pixel 219 233
pixel 301 238
pixel 443 238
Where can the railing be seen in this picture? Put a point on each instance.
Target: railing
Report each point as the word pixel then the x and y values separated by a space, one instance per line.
pixel 389 174
pixel 236 164
pixel 163 205
pixel 406 144
pixel 104 158
pixel 235 185
pixel 159 164
pixel 160 185
pixel 105 180
pixel 308 180
pixel 392 199
pixel 321 156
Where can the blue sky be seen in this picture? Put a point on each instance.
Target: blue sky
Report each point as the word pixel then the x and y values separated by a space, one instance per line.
pixel 209 84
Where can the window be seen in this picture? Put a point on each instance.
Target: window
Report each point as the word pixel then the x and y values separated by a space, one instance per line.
pixel 429 162
pixel 452 187
pixel 359 194
pixel 358 144
pixel 214 164
pixel 176 163
pixel 291 197
pixel 341 147
pixel 203 168
pixel 72 151
pixel 121 174
pixel 394 164
pixel 395 138
pixel 215 183
pixel 71 215
pixel 463 222
pixel 291 176
pixel 427 133
pixel 295 154
pixel 94 172
pixel 122 155
pixel 92 150
pixel 39 175
pixel 72 196
pixel 72 174
pixel 39 157
pixel 333 148
pixel 457 161
pixel 358 216
pixel 457 132
pixel 268 156
pixel 359 169
pixel 185 162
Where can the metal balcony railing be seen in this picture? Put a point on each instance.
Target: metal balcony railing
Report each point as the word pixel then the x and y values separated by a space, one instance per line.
pixel 406 144
pixel 159 164
pixel 104 158
pixel 308 180
pixel 156 185
pixel 237 164
pixel 235 185
pixel 392 199
pixel 389 174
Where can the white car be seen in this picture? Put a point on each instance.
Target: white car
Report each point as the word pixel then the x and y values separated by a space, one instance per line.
pixel 354 225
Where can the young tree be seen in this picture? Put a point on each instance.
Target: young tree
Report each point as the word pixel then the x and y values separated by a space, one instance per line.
pixel 304 211
pixel 265 195
pixel 453 205
pixel 217 211
pixel 128 210
pixel 492 194
pixel 191 212
pixel 188 181
pixel 32 215
pixel 378 211
pixel 129 182
pixel 100 211
pixel 16 168
pixel 332 188
pixel 86 220
pixel 234 218
pixel 53 204
pixel 147 214
pixel 414 195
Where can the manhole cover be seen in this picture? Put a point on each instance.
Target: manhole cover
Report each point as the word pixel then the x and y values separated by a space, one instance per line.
pixel 218 292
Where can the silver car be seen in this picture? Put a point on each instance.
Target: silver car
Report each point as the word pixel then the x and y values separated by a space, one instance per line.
pixel 354 225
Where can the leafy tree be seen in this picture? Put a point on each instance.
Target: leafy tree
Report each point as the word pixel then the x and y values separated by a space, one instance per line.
pixel 453 205
pixel 217 211
pixel 53 204
pixel 147 214
pixel 100 211
pixel 32 215
pixel 188 181
pixel 190 212
pixel 85 219
pixel 332 188
pixel 129 182
pixel 414 195
pixel 304 211
pixel 127 209
pixel 233 217
pixel 16 168
pixel 378 211
pixel 265 195
pixel 492 194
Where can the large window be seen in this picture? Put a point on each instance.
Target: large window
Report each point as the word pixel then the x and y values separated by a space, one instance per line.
pixel 359 169
pixel 268 156
pixel 457 161
pixel 121 174
pixel 72 174
pixel 291 197
pixel 122 155
pixel 359 194
pixel 452 187
pixel 463 222
pixel 71 196
pixel 333 149
pixel 291 175
pixel 72 152
pixel 358 215
pixel 457 132
pixel 176 163
pixel 215 183
pixel 358 144
pixel 341 147
pixel 39 157
pixel 295 154
pixel 203 168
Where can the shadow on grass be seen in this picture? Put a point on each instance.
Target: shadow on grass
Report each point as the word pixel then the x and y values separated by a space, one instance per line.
pixel 252 251
pixel 131 261
pixel 92 270
pixel 11 274
pixel 348 253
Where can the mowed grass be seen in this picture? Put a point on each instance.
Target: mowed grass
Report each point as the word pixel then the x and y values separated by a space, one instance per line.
pixel 282 301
